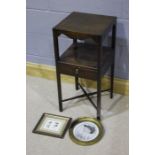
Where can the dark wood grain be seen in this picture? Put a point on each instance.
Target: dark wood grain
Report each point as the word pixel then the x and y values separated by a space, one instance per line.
pixel 85 60
pixel 86 24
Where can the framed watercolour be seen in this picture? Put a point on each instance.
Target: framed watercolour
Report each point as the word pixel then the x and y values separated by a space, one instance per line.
pixel 86 131
pixel 52 125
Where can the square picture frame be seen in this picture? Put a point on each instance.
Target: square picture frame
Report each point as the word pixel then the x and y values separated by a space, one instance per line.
pixel 52 125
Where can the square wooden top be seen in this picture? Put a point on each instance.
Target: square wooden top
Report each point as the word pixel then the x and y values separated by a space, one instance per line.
pixel 86 24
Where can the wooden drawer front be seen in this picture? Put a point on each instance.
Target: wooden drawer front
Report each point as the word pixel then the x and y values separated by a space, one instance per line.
pixel 72 70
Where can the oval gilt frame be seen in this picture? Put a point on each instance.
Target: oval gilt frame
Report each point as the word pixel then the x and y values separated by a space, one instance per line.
pixel 86 119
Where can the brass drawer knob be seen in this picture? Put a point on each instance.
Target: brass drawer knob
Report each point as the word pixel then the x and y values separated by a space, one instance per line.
pixel 76 71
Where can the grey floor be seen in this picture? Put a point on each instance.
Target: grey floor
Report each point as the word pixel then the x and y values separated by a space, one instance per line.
pixel 42 97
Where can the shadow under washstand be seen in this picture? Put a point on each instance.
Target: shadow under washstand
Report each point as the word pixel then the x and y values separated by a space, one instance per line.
pixel 115 106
